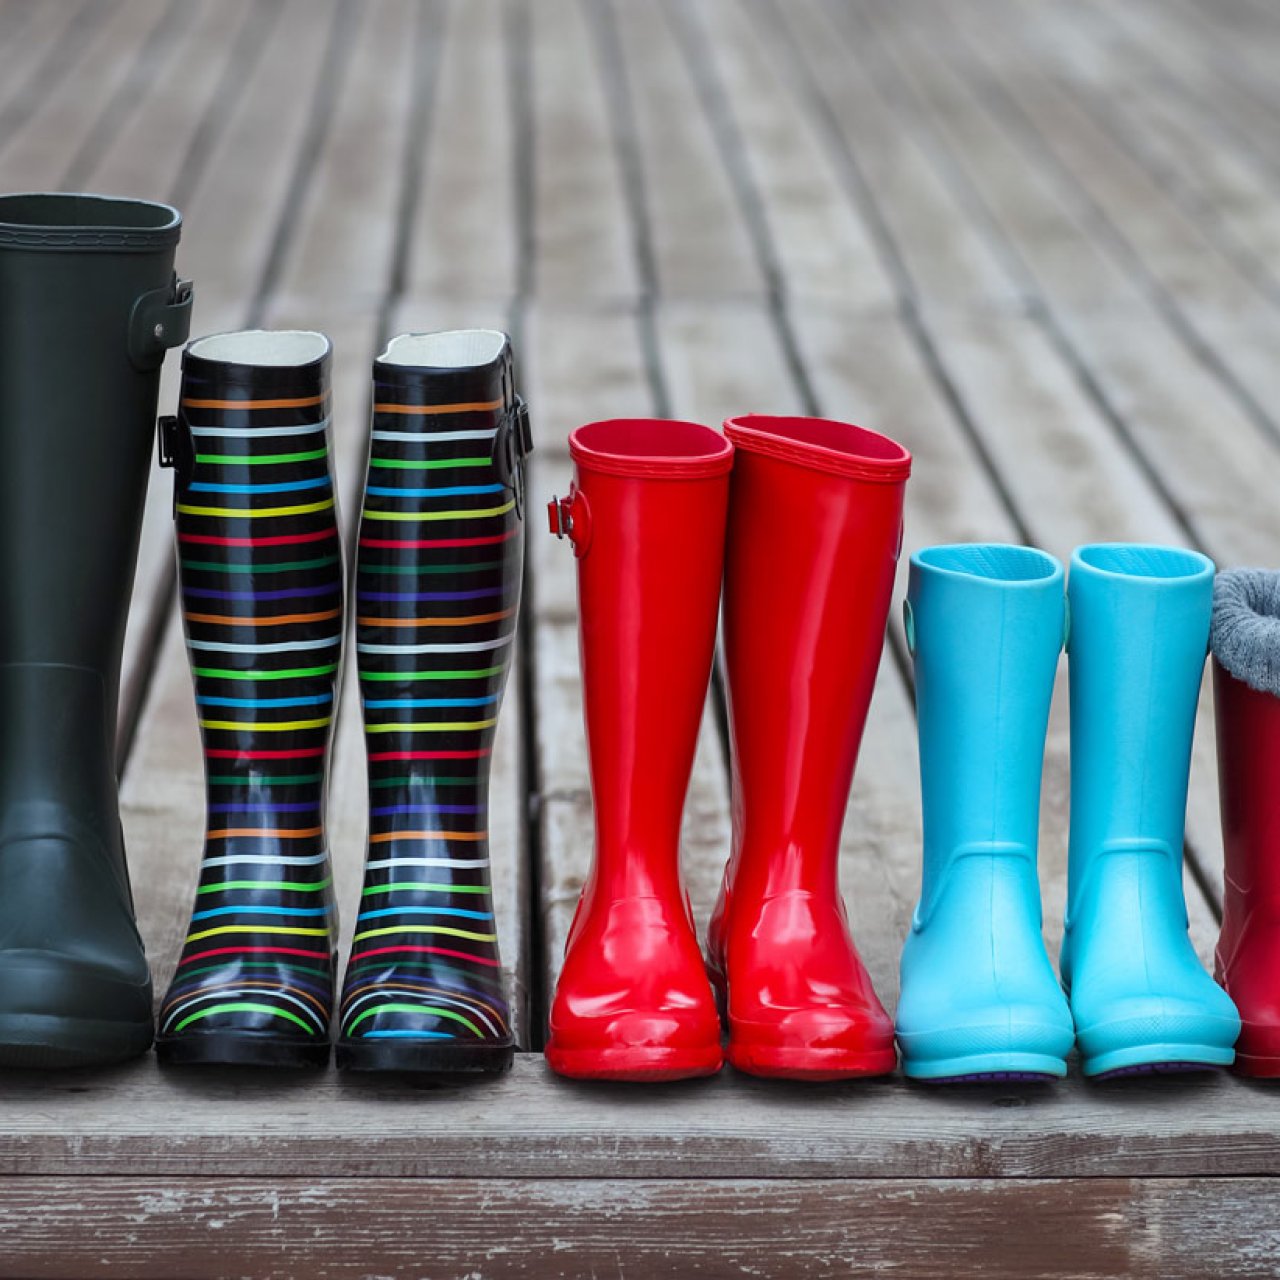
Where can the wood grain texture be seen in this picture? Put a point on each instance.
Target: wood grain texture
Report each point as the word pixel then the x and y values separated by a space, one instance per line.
pixel 336 1229
pixel 141 1121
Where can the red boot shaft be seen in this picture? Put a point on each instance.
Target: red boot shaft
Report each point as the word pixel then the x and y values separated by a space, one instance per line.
pixel 815 528
pixel 1248 953
pixel 647 520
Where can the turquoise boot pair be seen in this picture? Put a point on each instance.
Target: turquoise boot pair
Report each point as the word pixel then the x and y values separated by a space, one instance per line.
pixel 979 997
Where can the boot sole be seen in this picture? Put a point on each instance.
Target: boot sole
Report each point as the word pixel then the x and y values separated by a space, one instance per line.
pixel 241 1049
pixel 986 1068
pixel 49 1043
pixel 1153 1059
pixel 1260 1066
pixel 799 1063
pixel 424 1057
pixel 637 1064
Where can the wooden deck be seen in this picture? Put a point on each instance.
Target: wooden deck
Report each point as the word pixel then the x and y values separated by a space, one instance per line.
pixel 1039 242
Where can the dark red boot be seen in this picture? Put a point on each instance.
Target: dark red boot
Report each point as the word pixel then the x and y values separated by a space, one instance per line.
pixel 1246 691
pixel 815 527
pixel 646 517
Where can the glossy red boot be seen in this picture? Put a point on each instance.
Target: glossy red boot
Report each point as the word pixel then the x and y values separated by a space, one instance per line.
pixel 646 517
pixel 815 528
pixel 1245 639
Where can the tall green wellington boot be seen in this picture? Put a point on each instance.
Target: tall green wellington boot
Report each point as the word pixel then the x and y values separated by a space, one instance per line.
pixel 88 305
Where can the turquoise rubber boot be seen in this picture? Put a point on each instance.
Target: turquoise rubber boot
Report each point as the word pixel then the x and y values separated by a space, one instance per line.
pixel 1139 635
pixel 980 1000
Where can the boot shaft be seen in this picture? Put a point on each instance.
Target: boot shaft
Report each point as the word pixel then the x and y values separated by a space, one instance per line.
pixel 985 624
pixel 814 531
pixel 1139 634
pixel 88 305
pixel 439 568
pixel 647 520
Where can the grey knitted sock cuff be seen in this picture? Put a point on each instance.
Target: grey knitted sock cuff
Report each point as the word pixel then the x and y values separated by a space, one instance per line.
pixel 1245 635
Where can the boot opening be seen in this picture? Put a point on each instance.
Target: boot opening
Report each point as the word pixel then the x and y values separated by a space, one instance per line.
pixel 1134 560
pixel 65 210
pixel 822 444
pixel 826 433
pixel 1245 634
pixel 993 560
pixel 262 348
pixel 453 349
pixel 651 447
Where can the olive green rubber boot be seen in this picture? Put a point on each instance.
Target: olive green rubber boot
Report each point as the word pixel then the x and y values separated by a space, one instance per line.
pixel 88 306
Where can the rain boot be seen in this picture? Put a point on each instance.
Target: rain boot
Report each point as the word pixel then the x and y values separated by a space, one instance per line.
pixel 260 570
pixel 979 998
pixel 646 517
pixel 437 597
pixel 1139 633
pixel 1245 639
pixel 88 305
pixel 815 527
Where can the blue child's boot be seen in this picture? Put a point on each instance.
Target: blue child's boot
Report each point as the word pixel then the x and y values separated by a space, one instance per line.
pixel 979 996
pixel 1139 633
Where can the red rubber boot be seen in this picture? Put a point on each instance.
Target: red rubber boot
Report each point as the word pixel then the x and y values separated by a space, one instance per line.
pixel 1245 639
pixel 815 527
pixel 646 517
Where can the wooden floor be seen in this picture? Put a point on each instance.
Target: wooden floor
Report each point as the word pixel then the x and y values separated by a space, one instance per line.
pixel 1037 241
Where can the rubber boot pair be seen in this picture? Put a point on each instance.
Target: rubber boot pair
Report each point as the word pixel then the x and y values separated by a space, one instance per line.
pixel 438 574
pixel 979 998
pixel 88 306
pixel 1246 689
pixel 805 538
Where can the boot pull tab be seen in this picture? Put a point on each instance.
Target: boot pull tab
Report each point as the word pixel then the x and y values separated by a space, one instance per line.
pixel 512 444
pixel 177 449
pixel 571 518
pixel 160 319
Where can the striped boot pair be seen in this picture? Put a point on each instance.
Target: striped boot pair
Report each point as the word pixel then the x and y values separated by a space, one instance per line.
pixel 437 590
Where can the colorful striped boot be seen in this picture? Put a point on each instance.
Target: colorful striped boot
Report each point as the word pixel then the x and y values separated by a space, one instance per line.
pixel 438 591
pixel 260 567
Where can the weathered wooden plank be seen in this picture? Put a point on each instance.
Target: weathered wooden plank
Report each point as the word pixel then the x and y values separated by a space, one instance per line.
pixel 823 248
pixel 464 241
pixel 150 137
pixel 582 231
pixel 1183 144
pixel 934 249
pixel 40 56
pixel 1196 278
pixel 1199 168
pixel 349 1228
pixel 341 246
pixel 142 1121
pixel 36 153
pixel 1233 69
pixel 701 244
pixel 237 200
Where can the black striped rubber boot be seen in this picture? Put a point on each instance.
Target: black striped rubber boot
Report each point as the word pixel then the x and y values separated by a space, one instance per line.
pixel 88 306
pixel 437 596
pixel 260 568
